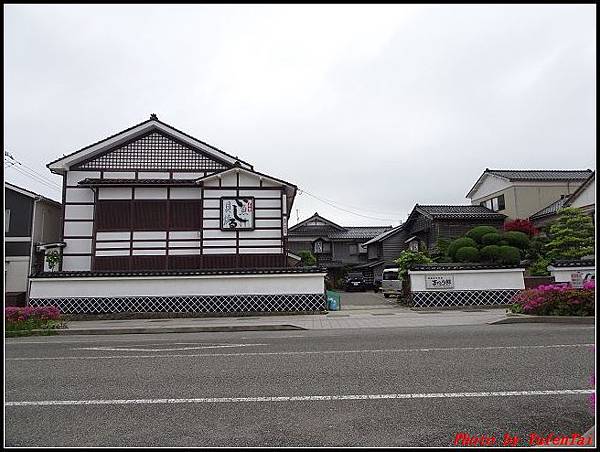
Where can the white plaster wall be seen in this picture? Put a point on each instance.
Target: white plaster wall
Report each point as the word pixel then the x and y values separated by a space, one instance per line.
pixel 82 228
pixel 229 180
pixel 264 234
pixel 268 203
pixel 312 283
pixel 78 245
pixel 73 177
pixel 151 193
pixel 211 202
pixel 153 175
pixel 79 195
pixel 113 235
pixel 119 175
pixel 114 193
pixel 563 274
pixel 185 193
pixel 137 235
pixel 472 279
pixel 261 193
pixel 491 184
pixel 587 196
pixel 188 175
pixel 219 194
pixel 270 213
pixel 78 212
pixel 184 234
pixel 249 180
pixel 16 272
pixel 76 263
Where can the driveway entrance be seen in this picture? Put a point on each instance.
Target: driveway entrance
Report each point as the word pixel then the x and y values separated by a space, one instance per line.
pixel 366 300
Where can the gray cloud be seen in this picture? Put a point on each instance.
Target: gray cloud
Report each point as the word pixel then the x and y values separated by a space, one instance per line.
pixel 374 107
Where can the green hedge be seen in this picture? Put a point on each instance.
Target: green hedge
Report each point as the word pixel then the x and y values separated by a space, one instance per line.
pixel 490 253
pixel 517 239
pixel 467 254
pixel 509 255
pixel 460 243
pixel 478 232
pixel 491 239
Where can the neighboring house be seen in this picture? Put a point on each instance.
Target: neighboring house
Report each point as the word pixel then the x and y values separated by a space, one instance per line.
pixel 29 220
pixel 333 245
pixel 584 198
pixel 522 193
pixel 425 225
pixel 156 220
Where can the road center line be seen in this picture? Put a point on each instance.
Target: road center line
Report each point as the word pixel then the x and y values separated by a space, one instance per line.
pixel 315 398
pixel 139 348
pixel 324 352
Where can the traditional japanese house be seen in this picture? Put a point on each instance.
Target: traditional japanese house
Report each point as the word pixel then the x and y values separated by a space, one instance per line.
pixel 335 247
pixel 156 219
pixel 423 228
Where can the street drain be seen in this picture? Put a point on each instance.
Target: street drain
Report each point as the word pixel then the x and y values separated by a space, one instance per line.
pixel 384 313
pixel 428 312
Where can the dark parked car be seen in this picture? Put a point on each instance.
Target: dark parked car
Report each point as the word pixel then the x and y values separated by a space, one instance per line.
pixel 355 281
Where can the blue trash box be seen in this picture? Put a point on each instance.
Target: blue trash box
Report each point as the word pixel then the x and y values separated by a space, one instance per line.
pixel 333 301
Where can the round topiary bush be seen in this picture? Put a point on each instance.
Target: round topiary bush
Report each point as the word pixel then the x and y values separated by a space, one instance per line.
pixel 460 243
pixel 478 232
pixel 467 254
pixel 491 239
pixel 517 239
pixel 490 253
pixel 509 255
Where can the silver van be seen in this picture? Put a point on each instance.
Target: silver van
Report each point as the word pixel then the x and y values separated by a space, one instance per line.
pixel 390 284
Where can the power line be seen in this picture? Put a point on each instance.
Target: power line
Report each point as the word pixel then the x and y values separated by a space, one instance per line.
pixel 34 178
pixel 346 210
pixel 26 170
pixel 361 209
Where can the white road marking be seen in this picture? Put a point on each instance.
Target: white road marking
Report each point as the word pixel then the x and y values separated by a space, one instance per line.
pixel 140 349
pixel 315 398
pixel 324 352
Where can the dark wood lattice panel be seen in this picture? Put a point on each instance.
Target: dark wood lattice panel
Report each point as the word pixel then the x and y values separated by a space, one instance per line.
pixel 113 215
pixel 153 152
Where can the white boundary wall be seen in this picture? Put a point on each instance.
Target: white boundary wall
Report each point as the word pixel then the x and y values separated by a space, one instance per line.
pixel 157 286
pixel 563 274
pixel 484 279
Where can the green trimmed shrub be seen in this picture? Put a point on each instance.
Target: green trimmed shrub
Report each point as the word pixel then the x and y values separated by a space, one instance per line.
pixel 308 258
pixel 478 232
pixel 509 255
pixel 467 254
pixel 491 239
pixel 460 243
pixel 490 253
pixel 539 267
pixel 517 239
pixel 502 243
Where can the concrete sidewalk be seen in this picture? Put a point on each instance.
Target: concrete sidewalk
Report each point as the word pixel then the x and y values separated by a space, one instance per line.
pixel 375 317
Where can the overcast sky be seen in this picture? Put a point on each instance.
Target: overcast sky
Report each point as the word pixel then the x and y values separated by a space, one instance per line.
pixel 373 108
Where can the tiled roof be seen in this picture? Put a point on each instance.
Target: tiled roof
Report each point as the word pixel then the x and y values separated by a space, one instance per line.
pixel 92 181
pixel 443 266
pixel 359 232
pixel 238 271
pixel 575 263
pixel 459 211
pixel 550 209
pixel 384 235
pixel 540 175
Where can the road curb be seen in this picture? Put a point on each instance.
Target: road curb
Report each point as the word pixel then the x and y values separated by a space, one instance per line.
pixel 159 330
pixel 521 318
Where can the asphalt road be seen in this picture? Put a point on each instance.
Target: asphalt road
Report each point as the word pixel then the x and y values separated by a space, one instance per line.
pixel 368 387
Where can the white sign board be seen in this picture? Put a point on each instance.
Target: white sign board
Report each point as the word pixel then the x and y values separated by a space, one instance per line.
pixel 237 214
pixel 577 280
pixel 439 281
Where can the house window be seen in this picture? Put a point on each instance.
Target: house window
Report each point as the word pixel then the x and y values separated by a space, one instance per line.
pixel 414 245
pixel 495 204
pixel 6 220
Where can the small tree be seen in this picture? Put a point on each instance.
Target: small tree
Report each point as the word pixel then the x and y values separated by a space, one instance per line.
pixel 308 258
pixel 571 236
pixel 408 258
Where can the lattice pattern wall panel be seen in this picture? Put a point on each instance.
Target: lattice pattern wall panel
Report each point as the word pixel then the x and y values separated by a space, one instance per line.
pixel 458 298
pixel 192 303
pixel 154 152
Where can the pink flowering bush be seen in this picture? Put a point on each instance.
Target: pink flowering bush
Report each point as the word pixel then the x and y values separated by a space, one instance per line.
pixel 557 299
pixel 30 318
